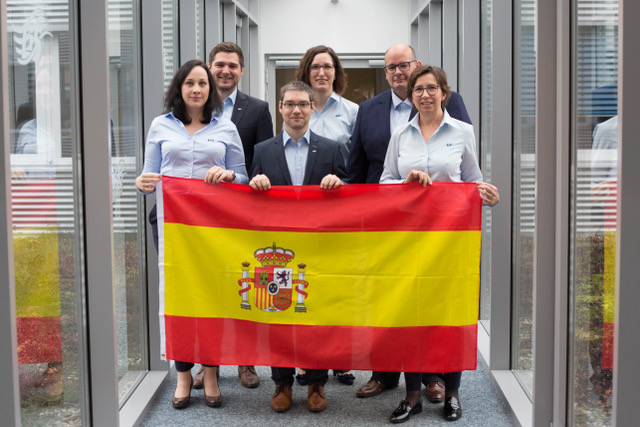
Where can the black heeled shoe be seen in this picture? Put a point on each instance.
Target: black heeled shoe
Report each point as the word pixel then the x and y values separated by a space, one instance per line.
pixel 452 409
pixel 345 377
pixel 403 412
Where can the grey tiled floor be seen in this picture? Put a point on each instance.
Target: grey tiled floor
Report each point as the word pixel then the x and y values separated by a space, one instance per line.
pixel 481 402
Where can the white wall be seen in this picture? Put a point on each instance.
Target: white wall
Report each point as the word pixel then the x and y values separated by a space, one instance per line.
pixel 349 26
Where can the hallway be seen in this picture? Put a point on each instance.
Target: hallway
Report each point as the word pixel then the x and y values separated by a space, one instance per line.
pixel 482 404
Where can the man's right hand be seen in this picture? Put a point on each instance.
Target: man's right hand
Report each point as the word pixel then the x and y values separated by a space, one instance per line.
pixel 260 182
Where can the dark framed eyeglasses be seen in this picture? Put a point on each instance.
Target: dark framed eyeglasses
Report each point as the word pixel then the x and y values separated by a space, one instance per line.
pixel 291 105
pixel 403 66
pixel 431 90
pixel 316 68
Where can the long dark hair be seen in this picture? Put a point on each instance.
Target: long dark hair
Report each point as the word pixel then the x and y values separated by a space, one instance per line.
pixel 303 73
pixel 173 98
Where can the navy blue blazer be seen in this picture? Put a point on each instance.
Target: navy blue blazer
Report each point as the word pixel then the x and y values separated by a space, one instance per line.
pixel 253 120
pixel 324 158
pixel 372 132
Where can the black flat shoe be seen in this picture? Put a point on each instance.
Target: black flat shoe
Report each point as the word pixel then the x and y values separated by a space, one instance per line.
pixel 344 377
pixel 452 409
pixel 403 412
pixel 301 379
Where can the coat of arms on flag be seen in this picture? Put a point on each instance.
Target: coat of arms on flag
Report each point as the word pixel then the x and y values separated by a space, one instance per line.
pixel 273 281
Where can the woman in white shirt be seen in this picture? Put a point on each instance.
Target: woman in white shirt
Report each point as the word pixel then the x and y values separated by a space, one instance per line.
pixel 433 147
pixel 189 141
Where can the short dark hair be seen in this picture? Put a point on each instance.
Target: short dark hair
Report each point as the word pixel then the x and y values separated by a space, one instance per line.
pixel 438 73
pixel 227 47
pixel 296 85
pixel 304 69
pixel 173 98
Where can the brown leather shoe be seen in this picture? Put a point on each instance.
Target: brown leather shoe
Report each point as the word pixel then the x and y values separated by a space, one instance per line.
pixel 435 391
pixel 248 376
pixel 316 401
pixel 213 401
pixel 371 388
pixel 197 380
pixel 182 402
pixel 281 399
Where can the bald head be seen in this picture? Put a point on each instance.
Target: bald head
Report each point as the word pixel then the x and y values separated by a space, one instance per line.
pixel 395 59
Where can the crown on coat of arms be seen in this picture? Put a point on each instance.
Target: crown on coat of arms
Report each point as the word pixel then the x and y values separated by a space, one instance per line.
pixel 273 256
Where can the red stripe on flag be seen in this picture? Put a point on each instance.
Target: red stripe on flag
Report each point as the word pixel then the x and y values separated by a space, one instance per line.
pixel 39 339
pixel 607 345
pixel 239 342
pixel 350 206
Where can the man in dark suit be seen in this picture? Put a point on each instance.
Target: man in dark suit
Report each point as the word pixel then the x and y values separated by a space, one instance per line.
pixel 250 115
pixel 297 156
pixel 253 121
pixel 377 118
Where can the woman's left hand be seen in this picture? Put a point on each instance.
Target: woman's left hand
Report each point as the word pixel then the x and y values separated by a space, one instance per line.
pixel 488 193
pixel 217 174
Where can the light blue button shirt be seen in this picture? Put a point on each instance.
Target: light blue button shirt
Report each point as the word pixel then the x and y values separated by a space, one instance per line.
pixel 449 155
pixel 172 151
pixel 336 121
pixel 400 111
pixel 227 105
pixel 296 154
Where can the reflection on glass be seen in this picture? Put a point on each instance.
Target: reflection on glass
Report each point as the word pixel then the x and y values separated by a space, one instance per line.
pixel 485 160
pixel 44 192
pixel 524 104
pixel 593 225
pixel 127 217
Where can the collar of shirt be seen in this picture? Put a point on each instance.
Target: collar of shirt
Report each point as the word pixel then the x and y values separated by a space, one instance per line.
pixel 228 104
pixel 172 116
pixel 446 120
pixel 304 138
pixel 396 101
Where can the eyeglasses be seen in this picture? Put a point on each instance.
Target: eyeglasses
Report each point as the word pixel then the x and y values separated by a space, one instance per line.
pixel 291 105
pixel 404 66
pixel 326 67
pixel 431 90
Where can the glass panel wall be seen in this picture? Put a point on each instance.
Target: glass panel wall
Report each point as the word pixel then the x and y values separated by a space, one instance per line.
pixel 128 220
pixel 524 107
pixel 593 210
pixel 170 39
pixel 45 200
pixel 200 27
pixel 486 9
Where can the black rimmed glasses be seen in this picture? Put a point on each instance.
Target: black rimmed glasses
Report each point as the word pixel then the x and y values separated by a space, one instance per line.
pixel 403 66
pixel 326 67
pixel 291 105
pixel 431 90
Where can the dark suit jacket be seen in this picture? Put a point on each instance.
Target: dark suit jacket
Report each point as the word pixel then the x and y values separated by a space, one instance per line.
pixel 324 158
pixel 372 132
pixel 253 120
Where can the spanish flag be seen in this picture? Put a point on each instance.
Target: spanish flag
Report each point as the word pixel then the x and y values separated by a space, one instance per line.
pixel 370 277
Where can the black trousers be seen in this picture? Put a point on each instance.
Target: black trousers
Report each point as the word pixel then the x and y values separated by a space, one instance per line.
pixel 414 380
pixel 284 376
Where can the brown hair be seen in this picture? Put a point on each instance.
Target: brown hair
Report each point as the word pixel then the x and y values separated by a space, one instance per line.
pixel 227 47
pixel 438 73
pixel 303 71
pixel 296 85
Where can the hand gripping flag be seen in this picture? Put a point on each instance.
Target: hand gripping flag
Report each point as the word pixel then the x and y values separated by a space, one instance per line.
pixel 382 277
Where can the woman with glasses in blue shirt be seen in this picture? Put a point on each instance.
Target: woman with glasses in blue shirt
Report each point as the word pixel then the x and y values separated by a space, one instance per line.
pixel 190 141
pixel 433 147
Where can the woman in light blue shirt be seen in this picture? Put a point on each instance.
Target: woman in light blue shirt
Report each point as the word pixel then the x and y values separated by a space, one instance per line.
pixel 433 147
pixel 333 116
pixel 189 141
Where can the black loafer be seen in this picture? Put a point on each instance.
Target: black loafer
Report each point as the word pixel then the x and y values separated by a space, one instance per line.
pixel 403 412
pixel 452 409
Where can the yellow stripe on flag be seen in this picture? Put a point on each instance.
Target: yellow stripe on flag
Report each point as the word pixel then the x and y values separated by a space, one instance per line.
pixel 202 266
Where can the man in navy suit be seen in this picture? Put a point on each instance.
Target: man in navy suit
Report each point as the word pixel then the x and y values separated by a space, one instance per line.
pixel 376 120
pixel 253 121
pixel 378 116
pixel 297 156
pixel 250 115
